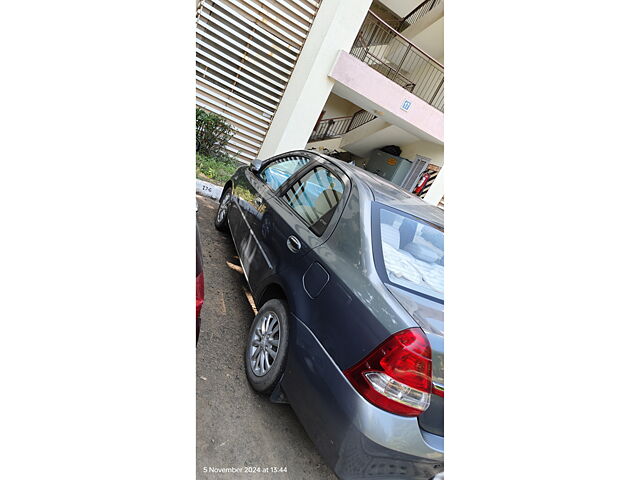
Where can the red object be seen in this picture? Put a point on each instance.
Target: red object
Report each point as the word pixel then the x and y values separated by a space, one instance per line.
pixel 199 293
pixel 406 358
pixel 421 183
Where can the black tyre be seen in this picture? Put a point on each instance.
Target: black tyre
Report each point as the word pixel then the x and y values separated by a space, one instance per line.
pixel 266 348
pixel 221 221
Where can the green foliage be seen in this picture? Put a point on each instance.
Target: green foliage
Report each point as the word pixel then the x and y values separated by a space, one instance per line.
pixel 217 169
pixel 213 160
pixel 213 133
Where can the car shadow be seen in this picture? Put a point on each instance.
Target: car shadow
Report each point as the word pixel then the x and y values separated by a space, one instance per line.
pixel 235 425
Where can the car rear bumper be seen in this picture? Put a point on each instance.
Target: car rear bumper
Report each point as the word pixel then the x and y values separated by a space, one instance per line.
pixel 357 439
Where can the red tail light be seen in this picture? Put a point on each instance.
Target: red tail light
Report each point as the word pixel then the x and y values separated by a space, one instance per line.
pixel 396 376
pixel 199 293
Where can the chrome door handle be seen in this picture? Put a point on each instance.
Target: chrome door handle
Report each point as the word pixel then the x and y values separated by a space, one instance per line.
pixel 293 244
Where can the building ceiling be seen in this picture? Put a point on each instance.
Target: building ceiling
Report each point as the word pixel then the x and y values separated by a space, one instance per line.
pixel 387 135
pixel 401 7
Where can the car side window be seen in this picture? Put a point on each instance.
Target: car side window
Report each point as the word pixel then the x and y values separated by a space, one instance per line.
pixel 314 197
pixel 278 171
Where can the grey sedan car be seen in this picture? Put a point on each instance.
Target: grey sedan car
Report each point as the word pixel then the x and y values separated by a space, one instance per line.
pixel 347 272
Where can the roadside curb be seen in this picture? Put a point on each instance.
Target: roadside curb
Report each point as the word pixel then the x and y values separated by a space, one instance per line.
pixel 208 189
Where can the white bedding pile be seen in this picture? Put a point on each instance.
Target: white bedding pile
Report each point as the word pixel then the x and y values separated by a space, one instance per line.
pixel 404 266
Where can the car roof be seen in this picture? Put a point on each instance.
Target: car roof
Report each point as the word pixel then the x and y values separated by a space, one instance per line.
pixel 389 194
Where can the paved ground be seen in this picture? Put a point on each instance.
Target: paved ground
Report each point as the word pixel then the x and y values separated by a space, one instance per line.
pixel 235 426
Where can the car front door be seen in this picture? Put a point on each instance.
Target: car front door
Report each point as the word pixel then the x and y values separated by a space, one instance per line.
pixel 253 193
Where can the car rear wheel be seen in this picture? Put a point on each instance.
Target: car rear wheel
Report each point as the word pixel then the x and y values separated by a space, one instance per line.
pixel 266 347
pixel 221 222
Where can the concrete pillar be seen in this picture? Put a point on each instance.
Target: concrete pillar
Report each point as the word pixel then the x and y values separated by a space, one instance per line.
pixel 435 193
pixel 334 28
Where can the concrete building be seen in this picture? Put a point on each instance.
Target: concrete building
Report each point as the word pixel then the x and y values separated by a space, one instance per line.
pixel 349 77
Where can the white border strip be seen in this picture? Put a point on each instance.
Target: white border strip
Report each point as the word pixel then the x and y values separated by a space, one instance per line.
pixel 208 189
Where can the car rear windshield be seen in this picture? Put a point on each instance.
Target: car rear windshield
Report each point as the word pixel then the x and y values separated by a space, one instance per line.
pixel 412 252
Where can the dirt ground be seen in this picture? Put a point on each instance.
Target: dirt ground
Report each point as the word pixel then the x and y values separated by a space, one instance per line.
pixel 237 428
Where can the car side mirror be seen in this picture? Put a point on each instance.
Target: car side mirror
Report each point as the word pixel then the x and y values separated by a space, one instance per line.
pixel 256 165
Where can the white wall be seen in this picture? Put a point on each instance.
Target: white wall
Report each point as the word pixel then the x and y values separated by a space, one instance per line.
pixel 401 7
pixel 436 192
pixel 426 149
pixel 339 107
pixel 430 39
pixel 334 29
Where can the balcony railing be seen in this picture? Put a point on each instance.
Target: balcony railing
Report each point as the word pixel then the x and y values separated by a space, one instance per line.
pixel 338 126
pixel 400 60
pixel 360 118
pixel 420 11
pixel 330 128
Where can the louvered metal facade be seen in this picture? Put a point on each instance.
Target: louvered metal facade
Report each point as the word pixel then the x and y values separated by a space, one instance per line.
pixel 245 53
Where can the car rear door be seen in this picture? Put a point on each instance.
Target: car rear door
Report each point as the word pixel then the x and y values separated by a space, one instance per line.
pixel 253 192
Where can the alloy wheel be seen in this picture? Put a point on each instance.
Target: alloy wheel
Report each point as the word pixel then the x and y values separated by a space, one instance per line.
pixel 265 342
